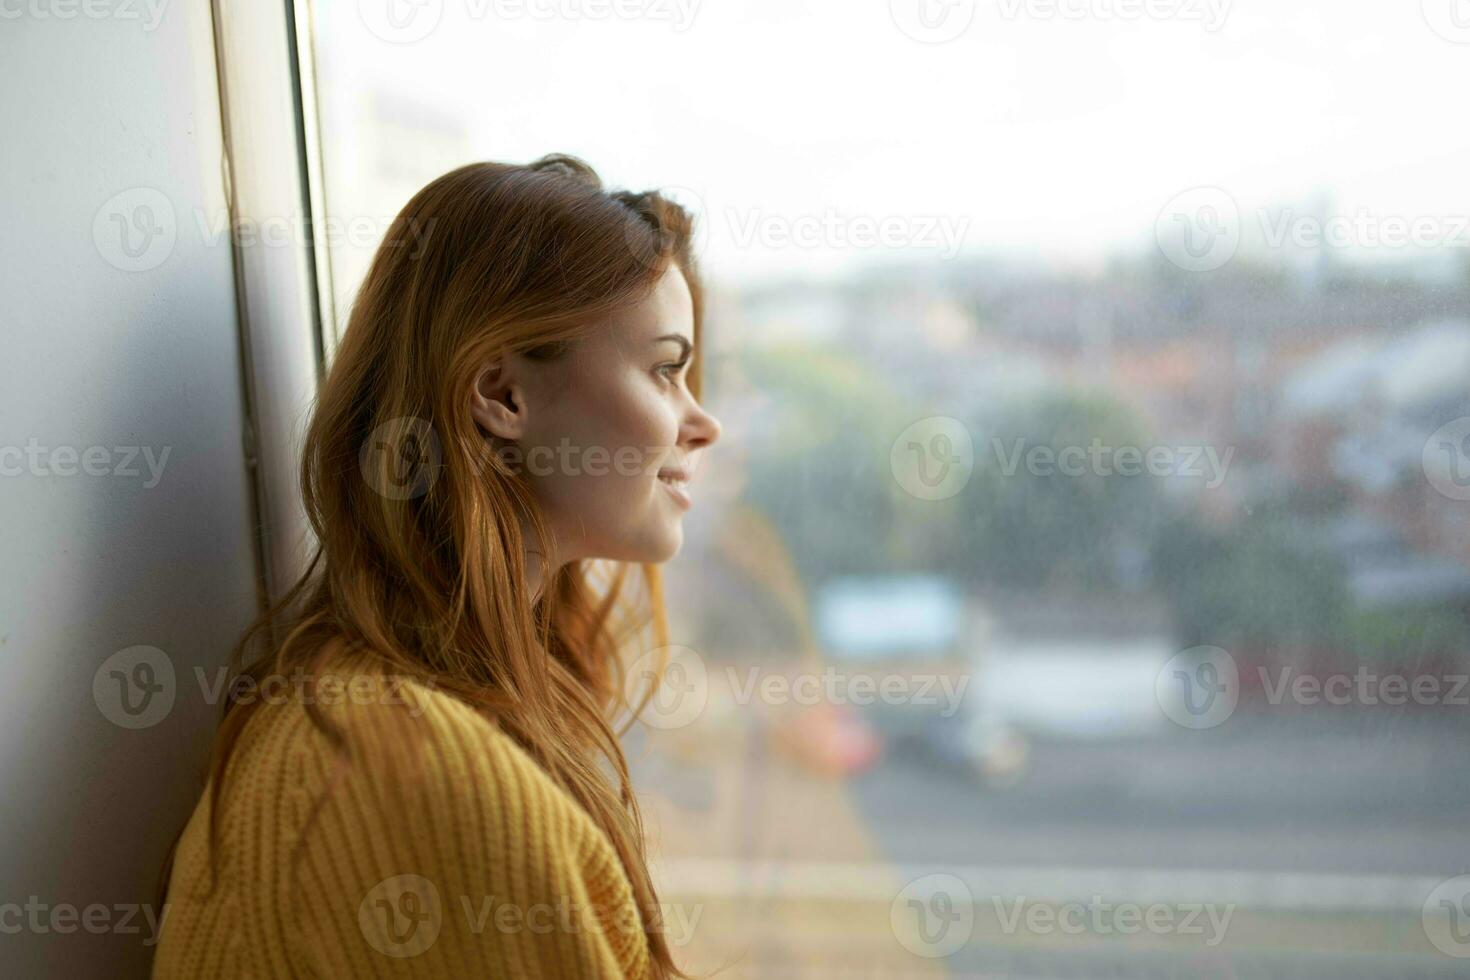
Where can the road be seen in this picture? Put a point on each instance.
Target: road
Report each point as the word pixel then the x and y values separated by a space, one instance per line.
pixel 1325 833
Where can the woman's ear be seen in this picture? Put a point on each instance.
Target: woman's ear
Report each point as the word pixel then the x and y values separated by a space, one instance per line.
pixel 497 402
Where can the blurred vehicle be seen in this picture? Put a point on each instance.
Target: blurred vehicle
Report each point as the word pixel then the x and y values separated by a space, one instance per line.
pixel 830 739
pixel 916 638
pixel 1076 688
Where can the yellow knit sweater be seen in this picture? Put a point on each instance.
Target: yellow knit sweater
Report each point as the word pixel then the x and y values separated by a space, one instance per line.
pixel 442 850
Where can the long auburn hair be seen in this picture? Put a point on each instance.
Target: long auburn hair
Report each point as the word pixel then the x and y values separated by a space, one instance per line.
pixel 430 578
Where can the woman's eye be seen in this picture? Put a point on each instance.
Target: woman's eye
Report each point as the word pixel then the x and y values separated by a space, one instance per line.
pixel 671 371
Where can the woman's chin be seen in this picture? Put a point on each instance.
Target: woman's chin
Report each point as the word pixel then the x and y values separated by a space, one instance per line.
pixel 674 543
pixel 667 543
pixel 654 549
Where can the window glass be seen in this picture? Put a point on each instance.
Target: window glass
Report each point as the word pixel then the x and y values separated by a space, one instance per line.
pixel 1080 586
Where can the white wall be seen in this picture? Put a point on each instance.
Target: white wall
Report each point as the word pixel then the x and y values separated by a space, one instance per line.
pixel 97 355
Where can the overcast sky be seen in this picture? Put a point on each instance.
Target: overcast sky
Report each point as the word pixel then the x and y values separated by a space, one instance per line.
pixel 1025 133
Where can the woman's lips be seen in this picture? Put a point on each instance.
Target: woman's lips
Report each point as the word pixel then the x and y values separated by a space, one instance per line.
pixel 676 482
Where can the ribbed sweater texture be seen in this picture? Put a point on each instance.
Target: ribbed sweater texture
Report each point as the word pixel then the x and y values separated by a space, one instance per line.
pixel 438 848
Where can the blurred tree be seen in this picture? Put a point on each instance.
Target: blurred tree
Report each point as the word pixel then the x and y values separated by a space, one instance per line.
pixel 819 470
pixel 1404 638
pixel 1253 585
pixel 1026 522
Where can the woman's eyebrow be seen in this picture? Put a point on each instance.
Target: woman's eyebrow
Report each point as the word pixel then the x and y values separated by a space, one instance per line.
pixel 684 345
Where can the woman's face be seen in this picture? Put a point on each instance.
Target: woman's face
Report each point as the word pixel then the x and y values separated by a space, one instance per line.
pixel 595 429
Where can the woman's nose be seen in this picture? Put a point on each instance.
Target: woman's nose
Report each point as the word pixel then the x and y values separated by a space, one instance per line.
pixel 706 430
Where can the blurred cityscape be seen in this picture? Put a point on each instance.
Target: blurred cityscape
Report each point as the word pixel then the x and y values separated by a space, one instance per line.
pixel 1304 522
pixel 1304 516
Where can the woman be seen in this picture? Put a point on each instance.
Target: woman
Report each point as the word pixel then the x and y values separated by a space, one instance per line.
pixel 417 773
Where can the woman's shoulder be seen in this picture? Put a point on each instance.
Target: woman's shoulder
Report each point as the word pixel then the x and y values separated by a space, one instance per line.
pixel 356 791
pixel 400 735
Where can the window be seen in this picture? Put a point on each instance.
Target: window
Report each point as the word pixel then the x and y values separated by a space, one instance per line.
pixel 1081 586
